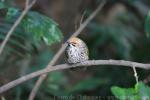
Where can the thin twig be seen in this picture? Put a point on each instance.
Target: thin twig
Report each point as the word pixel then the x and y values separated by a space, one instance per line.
pixel 17 22
pixel 61 50
pixel 135 74
pixel 82 17
pixel 27 3
pixel 18 81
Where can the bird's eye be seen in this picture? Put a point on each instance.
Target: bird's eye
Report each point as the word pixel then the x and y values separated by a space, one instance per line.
pixel 73 45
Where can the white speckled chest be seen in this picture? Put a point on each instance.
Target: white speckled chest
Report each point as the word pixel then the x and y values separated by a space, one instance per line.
pixel 76 55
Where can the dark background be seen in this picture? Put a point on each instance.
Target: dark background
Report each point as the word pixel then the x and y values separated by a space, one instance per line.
pixel 117 32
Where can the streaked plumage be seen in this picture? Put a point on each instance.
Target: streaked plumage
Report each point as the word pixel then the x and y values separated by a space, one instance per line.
pixel 76 51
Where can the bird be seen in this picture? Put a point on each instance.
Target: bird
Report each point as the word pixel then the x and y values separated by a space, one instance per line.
pixel 76 51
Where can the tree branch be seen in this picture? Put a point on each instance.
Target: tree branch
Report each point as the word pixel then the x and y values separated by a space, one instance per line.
pixel 27 7
pixel 18 81
pixel 61 50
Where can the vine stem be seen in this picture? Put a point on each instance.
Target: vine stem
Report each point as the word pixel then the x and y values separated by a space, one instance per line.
pixel 135 74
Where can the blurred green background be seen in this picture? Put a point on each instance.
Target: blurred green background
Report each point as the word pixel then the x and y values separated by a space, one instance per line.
pixel 120 31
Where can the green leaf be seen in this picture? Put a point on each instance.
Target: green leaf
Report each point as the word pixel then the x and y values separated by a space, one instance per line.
pixel 36 26
pixel 139 92
pixel 147 25
pixel 123 94
pixel 42 27
pixel 12 14
pixel 33 28
pixel 143 90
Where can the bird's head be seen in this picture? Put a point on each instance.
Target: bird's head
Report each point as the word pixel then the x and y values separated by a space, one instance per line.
pixel 75 42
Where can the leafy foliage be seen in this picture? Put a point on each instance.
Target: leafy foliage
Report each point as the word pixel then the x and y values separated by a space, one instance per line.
pixel 38 26
pixel 42 27
pixel 33 28
pixel 139 92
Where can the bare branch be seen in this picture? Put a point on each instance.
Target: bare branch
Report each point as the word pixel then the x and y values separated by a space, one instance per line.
pixel 18 81
pixel 27 3
pixel 82 17
pixel 27 7
pixel 61 50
